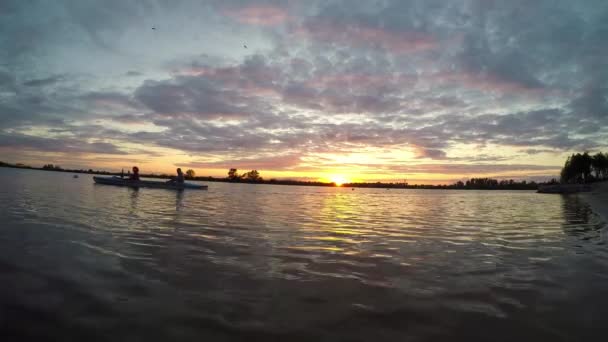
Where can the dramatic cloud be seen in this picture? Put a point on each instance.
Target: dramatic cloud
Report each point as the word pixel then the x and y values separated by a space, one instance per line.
pixel 375 89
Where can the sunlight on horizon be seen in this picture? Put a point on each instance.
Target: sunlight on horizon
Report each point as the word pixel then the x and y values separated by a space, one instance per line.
pixel 339 180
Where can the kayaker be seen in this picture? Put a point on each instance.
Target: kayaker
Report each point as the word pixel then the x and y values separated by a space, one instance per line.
pixel 179 178
pixel 135 175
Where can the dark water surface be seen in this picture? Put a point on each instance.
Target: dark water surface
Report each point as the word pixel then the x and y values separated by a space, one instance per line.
pixel 87 262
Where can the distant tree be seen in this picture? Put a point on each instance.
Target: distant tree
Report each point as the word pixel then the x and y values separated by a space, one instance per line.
pixel 253 176
pixel 233 174
pixel 190 174
pixel 51 167
pixel 491 184
pixel 586 162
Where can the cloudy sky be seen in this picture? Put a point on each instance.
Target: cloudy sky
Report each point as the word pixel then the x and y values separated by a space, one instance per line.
pixel 424 90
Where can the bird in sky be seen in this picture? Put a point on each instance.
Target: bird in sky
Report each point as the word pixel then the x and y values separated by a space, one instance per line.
pixel 245 46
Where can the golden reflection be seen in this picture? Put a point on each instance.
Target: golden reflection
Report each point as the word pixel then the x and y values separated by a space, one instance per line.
pixel 317 248
pixel 339 229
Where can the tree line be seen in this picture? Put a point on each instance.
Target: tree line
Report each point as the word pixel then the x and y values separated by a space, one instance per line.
pixel 471 184
pixel 52 167
pixel 254 176
pixel 585 168
pixel 251 176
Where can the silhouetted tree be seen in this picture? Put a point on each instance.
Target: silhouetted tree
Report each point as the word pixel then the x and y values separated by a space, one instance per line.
pixel 253 176
pixel 190 174
pixel 51 167
pixel 599 163
pixel 233 174
pixel 482 183
pixel 579 168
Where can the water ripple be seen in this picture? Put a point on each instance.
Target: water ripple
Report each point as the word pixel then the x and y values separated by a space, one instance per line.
pixel 297 262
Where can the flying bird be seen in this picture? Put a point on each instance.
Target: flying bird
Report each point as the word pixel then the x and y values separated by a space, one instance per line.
pixel 245 46
pixel 154 28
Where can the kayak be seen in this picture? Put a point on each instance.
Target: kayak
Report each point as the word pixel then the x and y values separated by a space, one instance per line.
pixel 147 184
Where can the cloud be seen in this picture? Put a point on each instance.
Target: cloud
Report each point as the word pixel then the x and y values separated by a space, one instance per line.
pixel 464 169
pixel 422 78
pixel 486 82
pixel 593 102
pixel 111 99
pixel 191 96
pixel 107 22
pixel 258 14
pixel 41 82
pixel 542 128
pixel 63 145
pixel 225 93
pixel 430 153
pixel 133 73
pixel 285 162
pixel 359 35
pixel 7 81
pixel 538 151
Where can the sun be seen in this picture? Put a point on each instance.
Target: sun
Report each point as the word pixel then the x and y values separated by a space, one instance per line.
pixel 338 180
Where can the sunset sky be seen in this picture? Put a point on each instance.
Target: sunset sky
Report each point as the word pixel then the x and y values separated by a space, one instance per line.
pixel 429 91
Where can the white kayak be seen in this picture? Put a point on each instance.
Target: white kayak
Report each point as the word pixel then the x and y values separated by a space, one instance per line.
pixel 147 184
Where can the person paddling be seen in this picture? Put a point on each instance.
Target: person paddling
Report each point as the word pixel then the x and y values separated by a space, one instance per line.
pixel 135 175
pixel 180 177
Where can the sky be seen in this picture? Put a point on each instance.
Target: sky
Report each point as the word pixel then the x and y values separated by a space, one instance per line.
pixel 428 91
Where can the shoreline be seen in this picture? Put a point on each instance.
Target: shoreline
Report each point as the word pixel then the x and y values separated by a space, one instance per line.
pixel 517 186
pixel 598 199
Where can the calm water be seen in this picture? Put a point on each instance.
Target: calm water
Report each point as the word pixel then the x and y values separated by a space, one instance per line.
pixel 241 262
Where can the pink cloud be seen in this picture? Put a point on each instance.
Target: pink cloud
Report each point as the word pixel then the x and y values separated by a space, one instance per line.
pixel 485 82
pixel 260 15
pixel 364 36
pixel 359 80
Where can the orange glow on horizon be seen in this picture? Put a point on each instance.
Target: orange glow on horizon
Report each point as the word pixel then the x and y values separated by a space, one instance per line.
pixel 338 180
pixel 390 166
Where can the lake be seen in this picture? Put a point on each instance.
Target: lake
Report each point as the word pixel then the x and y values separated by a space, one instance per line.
pixel 80 261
